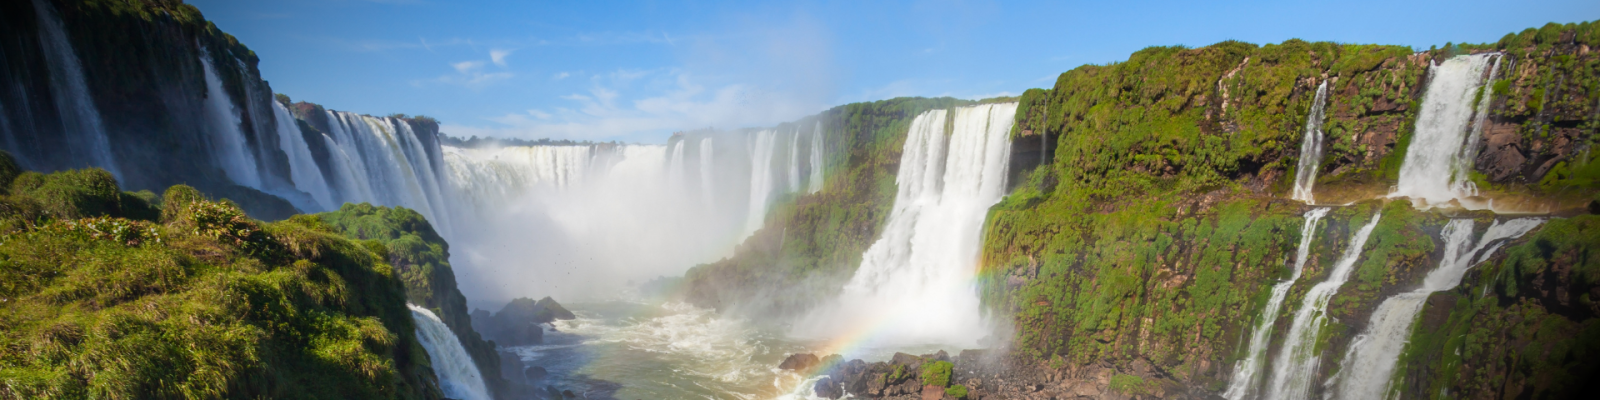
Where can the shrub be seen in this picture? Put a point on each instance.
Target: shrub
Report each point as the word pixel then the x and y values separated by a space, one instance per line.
pixel 936 373
pixel 957 391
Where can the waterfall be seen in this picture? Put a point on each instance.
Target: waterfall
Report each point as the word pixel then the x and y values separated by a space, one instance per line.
pixel 385 163
pixel 761 184
pixel 1297 361
pixel 816 160
pixel 915 281
pixel 1247 372
pixel 1311 148
pixel 794 160
pixel 458 376
pixel 80 119
pixel 229 147
pixel 1368 367
pixel 675 168
pixel 1438 159
pixel 303 169
pixel 490 179
pixel 706 185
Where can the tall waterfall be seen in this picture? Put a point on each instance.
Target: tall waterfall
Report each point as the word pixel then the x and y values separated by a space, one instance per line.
pixel 1297 361
pixel 303 169
pixel 230 148
pixel 1311 148
pixel 1368 367
pixel 1438 160
pixel 1246 374
pixel 384 162
pixel 794 161
pixel 761 175
pixel 458 376
pixel 816 160
pixel 915 281
pixel 86 134
pixel 707 160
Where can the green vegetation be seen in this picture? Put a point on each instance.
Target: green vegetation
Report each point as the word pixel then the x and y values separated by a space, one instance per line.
pixel 957 391
pixel 106 298
pixel 937 373
pixel 1132 385
pixel 421 258
pixel 1521 326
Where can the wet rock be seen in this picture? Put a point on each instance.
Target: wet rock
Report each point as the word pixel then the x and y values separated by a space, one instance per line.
pixel 801 362
pixel 520 322
pixel 826 388
pixel 535 373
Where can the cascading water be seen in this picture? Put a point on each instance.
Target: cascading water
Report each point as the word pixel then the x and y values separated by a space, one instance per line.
pixel 761 175
pixel 1247 372
pixel 915 281
pixel 794 161
pixel 1368 367
pixel 675 168
pixel 707 186
pixel 816 160
pixel 458 376
pixel 1311 148
pixel 386 164
pixel 303 169
pixel 79 117
pixel 1297 361
pixel 230 149
pixel 1437 162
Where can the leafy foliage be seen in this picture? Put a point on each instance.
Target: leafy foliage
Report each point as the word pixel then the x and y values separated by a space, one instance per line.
pixel 203 304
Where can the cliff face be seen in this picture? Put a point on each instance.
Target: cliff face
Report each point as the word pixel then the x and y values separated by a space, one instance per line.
pixel 1152 234
pixel 142 97
pixel 422 262
pixel 151 92
pixel 1148 218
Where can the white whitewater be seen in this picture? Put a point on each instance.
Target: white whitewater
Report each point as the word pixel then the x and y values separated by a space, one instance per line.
pixel 675 168
pixel 489 179
pixel 761 182
pixel 915 281
pixel 707 185
pixel 794 161
pixel 1297 361
pixel 1305 175
pixel 1368 367
pixel 816 160
pixel 386 164
pixel 80 118
pixel 458 376
pixel 229 147
pixel 1247 372
pixel 303 170
pixel 1439 157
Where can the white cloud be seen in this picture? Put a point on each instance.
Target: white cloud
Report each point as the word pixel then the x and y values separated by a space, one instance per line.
pixel 560 75
pixel 498 56
pixel 469 74
pixel 467 66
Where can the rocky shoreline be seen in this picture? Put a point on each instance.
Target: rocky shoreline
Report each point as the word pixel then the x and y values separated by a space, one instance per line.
pixel 984 375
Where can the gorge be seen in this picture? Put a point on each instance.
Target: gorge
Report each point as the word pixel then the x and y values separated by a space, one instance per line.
pixel 1289 220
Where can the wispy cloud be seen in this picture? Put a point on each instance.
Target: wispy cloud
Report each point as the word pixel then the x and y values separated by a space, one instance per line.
pixel 560 75
pixel 470 74
pixel 600 113
pixel 498 56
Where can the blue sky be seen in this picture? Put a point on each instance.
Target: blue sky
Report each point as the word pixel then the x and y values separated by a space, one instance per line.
pixel 637 71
